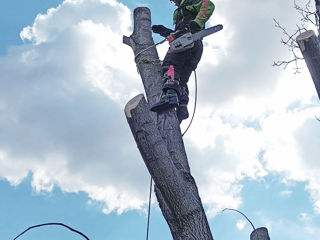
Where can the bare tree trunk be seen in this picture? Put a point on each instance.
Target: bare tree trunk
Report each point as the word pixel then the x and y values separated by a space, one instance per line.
pixel 310 48
pixel 159 140
pixel 260 234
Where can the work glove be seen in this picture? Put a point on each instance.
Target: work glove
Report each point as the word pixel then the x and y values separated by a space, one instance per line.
pixel 162 30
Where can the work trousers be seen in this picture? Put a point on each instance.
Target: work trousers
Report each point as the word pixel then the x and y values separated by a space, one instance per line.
pixel 184 64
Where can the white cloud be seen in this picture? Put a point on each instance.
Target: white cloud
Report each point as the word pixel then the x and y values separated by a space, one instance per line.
pixel 241 224
pixel 309 229
pixel 249 43
pixel 286 193
pixel 252 118
pixel 62 99
pixel 290 148
pixel 304 217
pixel 297 231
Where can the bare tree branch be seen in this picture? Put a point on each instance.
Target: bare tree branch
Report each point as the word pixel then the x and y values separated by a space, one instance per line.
pixel 292 46
pixel 310 15
pixel 307 15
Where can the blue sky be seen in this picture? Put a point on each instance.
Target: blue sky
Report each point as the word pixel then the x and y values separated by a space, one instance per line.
pixel 15 15
pixel 66 151
pixel 22 207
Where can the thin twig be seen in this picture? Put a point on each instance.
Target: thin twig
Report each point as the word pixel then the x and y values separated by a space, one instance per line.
pixel 292 46
pixel 306 13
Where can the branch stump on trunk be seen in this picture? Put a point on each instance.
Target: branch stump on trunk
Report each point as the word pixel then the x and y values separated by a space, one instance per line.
pixel 310 48
pixel 260 234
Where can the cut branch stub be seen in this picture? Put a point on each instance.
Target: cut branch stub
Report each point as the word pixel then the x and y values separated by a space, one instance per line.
pixel 260 234
pixel 142 28
pixel 310 48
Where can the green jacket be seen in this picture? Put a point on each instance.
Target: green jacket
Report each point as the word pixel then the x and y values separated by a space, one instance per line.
pixel 193 10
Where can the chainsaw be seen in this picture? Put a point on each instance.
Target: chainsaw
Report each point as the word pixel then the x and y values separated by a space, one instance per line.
pixel 180 40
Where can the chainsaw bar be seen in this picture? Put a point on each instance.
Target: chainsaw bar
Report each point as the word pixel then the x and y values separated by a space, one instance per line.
pixel 186 41
pixel 206 32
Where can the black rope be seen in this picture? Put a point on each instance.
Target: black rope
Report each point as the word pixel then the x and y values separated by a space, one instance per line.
pixel 45 224
pixel 148 223
pixel 231 209
pixel 195 102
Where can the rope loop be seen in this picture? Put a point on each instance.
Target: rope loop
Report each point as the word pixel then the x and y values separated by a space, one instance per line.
pixel 47 224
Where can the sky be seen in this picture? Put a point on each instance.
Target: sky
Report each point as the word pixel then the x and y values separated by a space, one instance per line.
pixel 67 153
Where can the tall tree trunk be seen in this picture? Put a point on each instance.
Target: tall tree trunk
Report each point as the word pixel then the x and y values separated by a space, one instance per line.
pixel 158 137
pixel 318 15
pixel 310 47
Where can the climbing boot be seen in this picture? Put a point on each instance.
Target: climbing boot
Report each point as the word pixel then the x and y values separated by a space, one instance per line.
pixel 182 113
pixel 168 100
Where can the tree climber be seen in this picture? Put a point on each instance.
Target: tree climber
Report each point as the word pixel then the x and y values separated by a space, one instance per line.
pixel 191 15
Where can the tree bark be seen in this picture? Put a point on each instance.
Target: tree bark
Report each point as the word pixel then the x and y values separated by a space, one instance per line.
pixel 260 234
pixel 310 47
pixel 318 14
pixel 158 137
